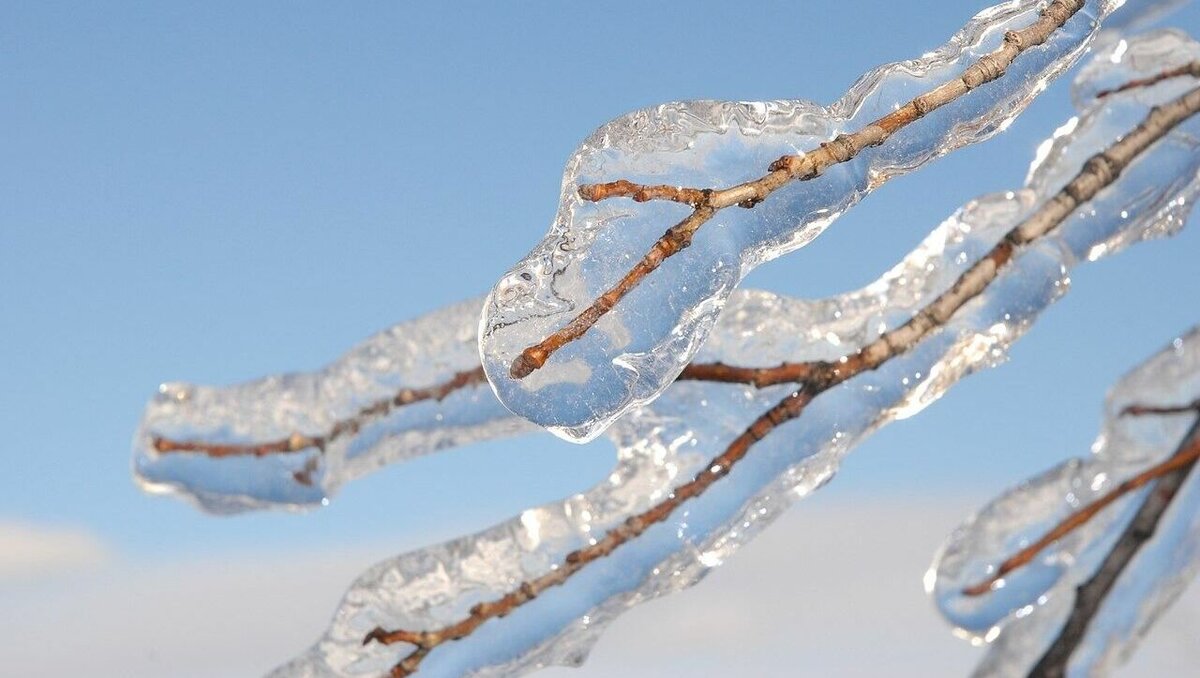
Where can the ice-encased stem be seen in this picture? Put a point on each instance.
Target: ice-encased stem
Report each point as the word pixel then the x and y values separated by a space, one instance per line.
pixel 1085 601
pixel 468 581
pixel 637 347
pixel 1093 593
pixel 800 167
pixel 1100 171
pixel 1181 459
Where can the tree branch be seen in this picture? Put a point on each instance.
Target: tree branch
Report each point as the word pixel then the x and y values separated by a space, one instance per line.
pixel 298 442
pixel 1192 69
pixel 1097 173
pixel 802 167
pixel 986 69
pixel 1090 596
pixel 1186 455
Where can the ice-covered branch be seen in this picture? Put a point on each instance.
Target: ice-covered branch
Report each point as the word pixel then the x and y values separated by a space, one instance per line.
pixel 1170 477
pixel 298 442
pixel 1191 69
pixel 563 297
pixel 1100 171
pixel 283 417
pixel 1077 599
pixel 291 440
pixel 804 166
pixel 1183 457
pixel 640 533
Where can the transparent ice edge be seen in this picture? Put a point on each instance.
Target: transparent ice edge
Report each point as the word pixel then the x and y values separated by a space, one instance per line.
pixel 672 438
pixel 418 353
pixel 635 351
pixel 1021 618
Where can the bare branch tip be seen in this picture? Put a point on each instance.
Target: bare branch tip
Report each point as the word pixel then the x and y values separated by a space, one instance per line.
pixel 588 192
pixel 525 364
pixel 979 589
pixel 1140 410
pixel 376 634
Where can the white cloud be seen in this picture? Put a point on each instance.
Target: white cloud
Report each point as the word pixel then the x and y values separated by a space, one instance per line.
pixel 28 552
pixel 833 589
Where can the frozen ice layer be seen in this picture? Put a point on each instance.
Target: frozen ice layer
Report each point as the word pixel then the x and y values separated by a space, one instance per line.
pixel 670 440
pixel 638 347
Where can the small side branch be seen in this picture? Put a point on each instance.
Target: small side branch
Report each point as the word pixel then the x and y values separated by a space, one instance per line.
pixel 789 168
pixel 758 377
pixel 1184 456
pixel 1091 595
pixel 1097 173
pixel 644 192
pixel 1142 410
pixel 298 442
pixel 1190 69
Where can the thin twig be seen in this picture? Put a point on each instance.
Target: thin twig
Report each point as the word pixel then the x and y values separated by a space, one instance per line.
pixel 802 167
pixel 758 377
pixel 1097 173
pixel 1090 596
pixel 1185 456
pixel 1141 410
pixel 643 192
pixel 1192 69
pixel 298 442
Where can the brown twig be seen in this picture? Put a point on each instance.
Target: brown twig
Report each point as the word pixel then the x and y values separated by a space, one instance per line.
pixel 818 377
pixel 1184 456
pixel 758 377
pixel 802 167
pixel 1142 410
pixel 1090 596
pixel 1192 69
pixel 643 193
pixel 298 442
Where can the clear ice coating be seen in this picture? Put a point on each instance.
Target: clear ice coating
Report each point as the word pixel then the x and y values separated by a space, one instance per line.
pixel 634 352
pixel 418 353
pixel 1023 617
pixel 673 438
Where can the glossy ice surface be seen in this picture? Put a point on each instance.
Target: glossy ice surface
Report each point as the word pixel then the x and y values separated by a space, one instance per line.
pixel 637 348
pixel 1024 614
pixel 674 437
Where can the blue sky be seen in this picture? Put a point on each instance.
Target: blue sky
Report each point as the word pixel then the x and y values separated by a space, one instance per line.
pixel 218 191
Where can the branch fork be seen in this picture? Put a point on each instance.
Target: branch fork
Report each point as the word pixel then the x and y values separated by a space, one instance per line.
pixel 1186 455
pixel 814 378
pixel 800 167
